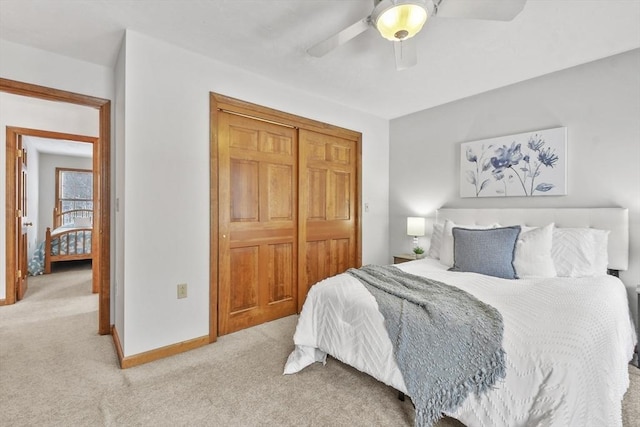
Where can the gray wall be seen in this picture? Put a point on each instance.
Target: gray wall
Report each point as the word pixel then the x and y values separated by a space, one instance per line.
pixel 598 102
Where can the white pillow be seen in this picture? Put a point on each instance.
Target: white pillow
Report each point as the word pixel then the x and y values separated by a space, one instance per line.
pixel 436 242
pixel 533 253
pixel 601 255
pixel 446 247
pixel 574 252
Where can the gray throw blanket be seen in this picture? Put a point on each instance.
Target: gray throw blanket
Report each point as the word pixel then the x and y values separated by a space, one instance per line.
pixel 447 343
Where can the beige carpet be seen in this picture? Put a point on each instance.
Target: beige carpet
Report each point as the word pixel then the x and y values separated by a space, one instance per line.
pixel 55 370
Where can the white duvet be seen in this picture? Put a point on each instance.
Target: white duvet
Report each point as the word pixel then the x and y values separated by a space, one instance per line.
pixel 567 341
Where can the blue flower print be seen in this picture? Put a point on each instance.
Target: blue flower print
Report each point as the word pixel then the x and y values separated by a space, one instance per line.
pixel 518 162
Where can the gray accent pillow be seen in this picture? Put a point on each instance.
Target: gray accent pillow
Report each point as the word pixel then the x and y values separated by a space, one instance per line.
pixel 490 252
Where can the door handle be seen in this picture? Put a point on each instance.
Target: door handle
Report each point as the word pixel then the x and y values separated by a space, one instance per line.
pixel 27 224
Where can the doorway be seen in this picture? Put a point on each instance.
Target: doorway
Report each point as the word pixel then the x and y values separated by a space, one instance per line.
pixel 56 207
pixel 102 172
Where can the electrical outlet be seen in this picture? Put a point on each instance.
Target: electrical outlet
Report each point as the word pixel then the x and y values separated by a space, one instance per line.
pixel 182 290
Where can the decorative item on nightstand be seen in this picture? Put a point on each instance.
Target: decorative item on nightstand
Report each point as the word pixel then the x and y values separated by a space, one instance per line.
pixel 416 228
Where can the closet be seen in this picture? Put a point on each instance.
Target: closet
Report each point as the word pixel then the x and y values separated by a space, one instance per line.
pixel 284 211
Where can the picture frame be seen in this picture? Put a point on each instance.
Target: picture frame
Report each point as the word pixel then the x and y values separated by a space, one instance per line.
pixel 527 164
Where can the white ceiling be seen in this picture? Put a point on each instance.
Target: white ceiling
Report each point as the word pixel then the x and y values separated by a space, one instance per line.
pixel 59 147
pixel 456 58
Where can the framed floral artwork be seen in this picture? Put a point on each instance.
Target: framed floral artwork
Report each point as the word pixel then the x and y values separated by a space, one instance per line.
pixel 526 164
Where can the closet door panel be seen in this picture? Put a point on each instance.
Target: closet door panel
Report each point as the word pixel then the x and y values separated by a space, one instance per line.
pixel 281 273
pixel 316 193
pixel 317 263
pixel 328 213
pixel 258 223
pixel 280 192
pixel 341 259
pixel 341 184
pixel 244 192
pixel 275 143
pixel 244 278
pixel 243 137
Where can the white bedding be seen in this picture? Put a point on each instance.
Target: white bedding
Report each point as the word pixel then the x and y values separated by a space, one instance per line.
pixel 568 342
pixel 65 228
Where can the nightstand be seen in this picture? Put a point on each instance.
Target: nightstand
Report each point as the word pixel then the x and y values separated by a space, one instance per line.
pixel 399 259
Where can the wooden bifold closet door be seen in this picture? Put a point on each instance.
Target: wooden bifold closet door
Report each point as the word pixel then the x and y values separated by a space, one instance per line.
pixel 328 222
pixel 258 222
pixel 287 205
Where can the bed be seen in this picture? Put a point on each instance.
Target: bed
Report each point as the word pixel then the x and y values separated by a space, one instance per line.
pixel 70 240
pixel 568 340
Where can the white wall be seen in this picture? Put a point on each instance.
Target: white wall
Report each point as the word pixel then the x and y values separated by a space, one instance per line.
pixel 20 111
pixel 26 64
pixel 163 149
pixel 163 152
pixel 598 102
pixel 33 204
pixel 47 188
pixel 165 195
pixel 117 243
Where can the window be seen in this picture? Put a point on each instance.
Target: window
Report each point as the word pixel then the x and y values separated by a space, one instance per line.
pixel 74 190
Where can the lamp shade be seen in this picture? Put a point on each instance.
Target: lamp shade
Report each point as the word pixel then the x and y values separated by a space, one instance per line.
pixel 399 19
pixel 415 226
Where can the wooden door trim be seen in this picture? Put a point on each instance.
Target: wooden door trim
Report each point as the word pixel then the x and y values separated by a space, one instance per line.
pixel 12 137
pixel 359 201
pixel 213 218
pixel 219 103
pixel 102 190
pixel 233 105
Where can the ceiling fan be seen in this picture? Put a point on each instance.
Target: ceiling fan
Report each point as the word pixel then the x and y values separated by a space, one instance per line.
pixel 400 20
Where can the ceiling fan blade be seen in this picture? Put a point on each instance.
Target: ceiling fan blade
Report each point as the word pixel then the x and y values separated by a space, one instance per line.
pixel 336 40
pixel 406 53
pixel 494 10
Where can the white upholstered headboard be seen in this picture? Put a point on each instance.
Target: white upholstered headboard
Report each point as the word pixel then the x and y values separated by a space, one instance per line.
pixel 614 219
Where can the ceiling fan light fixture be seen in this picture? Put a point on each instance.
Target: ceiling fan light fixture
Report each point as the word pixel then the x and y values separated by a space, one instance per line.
pixel 399 20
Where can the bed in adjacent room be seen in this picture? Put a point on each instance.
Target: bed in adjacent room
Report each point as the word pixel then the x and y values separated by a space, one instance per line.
pixel 70 240
pixel 567 335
